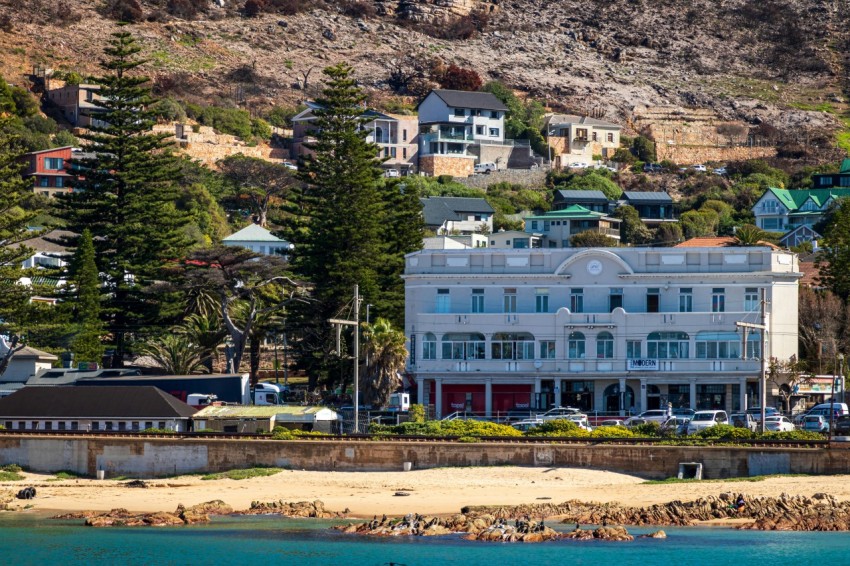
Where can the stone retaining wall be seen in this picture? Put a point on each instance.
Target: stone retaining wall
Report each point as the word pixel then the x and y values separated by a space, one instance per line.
pixel 692 155
pixel 157 457
pixel 532 178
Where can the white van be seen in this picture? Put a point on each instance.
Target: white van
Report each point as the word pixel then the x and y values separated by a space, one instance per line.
pixel 706 419
pixel 485 168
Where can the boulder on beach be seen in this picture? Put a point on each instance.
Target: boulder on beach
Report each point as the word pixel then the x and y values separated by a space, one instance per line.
pixel 308 509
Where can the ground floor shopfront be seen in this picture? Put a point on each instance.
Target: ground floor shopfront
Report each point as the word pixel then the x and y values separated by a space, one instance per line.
pixel 492 396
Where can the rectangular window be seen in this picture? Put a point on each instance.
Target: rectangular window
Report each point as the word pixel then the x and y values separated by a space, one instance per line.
pixel 404 153
pixel 43 181
pixel 148 424
pixel 494 132
pixel 610 138
pixel 751 299
pixel 136 426
pixel 95 425
pixel 510 301
pixel 494 114
pixel 61 425
pixel 75 425
pixel 534 224
pixel 122 425
pixel 633 349
pixel 542 300
pixel 429 348
pixel 404 136
pixel 54 163
pixel 444 301
pixel 60 182
pixel 653 299
pixel 594 136
pixel 576 300
pixel 686 300
pixel 581 134
pixel 393 152
pixel 161 425
pixel 479 130
pixel 460 112
pixel 8 425
pixel 547 349
pixel 478 300
pixel 615 298
pixel 108 425
pixel 718 300
pixel 48 425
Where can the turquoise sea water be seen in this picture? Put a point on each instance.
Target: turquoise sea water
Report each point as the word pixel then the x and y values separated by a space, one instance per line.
pixel 270 540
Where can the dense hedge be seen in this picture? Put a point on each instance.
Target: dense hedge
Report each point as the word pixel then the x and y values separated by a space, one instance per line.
pixel 447 428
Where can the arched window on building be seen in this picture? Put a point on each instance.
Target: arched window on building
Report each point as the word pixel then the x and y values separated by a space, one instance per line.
pixel 429 346
pixel 512 346
pixel 612 396
pixel 667 345
pixel 463 346
pixel 605 345
pixel 576 346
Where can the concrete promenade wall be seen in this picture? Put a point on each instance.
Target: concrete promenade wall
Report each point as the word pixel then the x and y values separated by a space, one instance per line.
pixel 158 457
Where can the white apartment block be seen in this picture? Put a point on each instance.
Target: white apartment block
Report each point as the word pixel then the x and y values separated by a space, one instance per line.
pixel 607 330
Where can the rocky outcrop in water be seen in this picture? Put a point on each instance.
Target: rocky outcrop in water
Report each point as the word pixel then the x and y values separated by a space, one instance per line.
pixel 182 516
pixel 602 533
pixel 821 512
pixel 308 509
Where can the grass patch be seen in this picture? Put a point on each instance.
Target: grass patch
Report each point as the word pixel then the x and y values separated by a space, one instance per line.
pixel 842 137
pixel 12 472
pixel 66 475
pixel 747 479
pixel 243 474
pixel 820 107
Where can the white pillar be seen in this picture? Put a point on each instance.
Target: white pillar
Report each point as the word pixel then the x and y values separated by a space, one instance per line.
pixel 643 394
pixel 420 390
pixel 538 386
pixel 693 391
pixel 438 393
pixel 488 397
pixel 622 396
pixel 742 385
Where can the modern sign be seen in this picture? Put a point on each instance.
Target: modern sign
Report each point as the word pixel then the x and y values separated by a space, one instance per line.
pixel 642 365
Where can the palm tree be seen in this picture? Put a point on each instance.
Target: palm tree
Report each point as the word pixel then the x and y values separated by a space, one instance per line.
pixel 384 348
pixel 748 235
pixel 175 354
pixel 207 331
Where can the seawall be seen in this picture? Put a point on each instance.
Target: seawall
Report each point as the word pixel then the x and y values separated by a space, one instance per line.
pixel 151 457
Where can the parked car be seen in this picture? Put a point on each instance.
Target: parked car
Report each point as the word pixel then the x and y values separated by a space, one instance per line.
pixel 699 168
pixel 823 409
pixel 612 422
pixel 652 168
pixel 841 427
pixel 677 425
pixel 706 419
pixel 578 165
pixel 485 167
pixel 815 423
pixel 557 413
pixel 720 171
pixel 656 415
pixel 290 166
pixel 580 420
pixel 768 412
pixel 525 425
pixel 780 424
pixel 683 412
pixel 744 420
pixel 392 173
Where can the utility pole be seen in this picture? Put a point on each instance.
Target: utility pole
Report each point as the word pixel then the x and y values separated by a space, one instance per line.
pixel 763 373
pixel 339 323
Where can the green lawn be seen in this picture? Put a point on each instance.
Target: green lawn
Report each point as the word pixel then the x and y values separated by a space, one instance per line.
pixel 243 474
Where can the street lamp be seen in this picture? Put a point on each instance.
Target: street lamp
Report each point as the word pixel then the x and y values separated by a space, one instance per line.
pixel 840 373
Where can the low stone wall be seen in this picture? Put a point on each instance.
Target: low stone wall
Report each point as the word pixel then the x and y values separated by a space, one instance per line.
pixel 157 457
pixel 532 178
pixel 456 166
pixel 694 154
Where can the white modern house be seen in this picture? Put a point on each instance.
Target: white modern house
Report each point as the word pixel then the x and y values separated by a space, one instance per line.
pixel 259 240
pixel 576 139
pixel 456 128
pixel 609 330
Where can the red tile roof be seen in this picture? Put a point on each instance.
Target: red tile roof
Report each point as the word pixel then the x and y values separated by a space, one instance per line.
pixel 707 242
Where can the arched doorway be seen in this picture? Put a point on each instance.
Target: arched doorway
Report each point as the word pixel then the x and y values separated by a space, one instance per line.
pixel 653 398
pixel 612 398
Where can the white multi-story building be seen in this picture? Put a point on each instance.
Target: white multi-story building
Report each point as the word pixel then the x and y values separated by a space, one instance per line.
pixel 608 330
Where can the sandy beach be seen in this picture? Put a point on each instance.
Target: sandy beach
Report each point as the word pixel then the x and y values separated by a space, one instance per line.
pixel 434 491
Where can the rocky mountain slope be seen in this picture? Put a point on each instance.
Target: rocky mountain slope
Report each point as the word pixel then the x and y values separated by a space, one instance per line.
pixel 784 62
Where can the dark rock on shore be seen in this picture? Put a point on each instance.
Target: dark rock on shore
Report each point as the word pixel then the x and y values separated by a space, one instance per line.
pixel 182 516
pixel 602 533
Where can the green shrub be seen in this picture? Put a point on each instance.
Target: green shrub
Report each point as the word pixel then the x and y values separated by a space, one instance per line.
pixel 416 414
pixel 283 433
pixel 11 472
pixel 446 428
pixel 647 430
pixel 558 427
pixel 261 128
pixel 612 432
pixel 725 432
pixel 792 435
pixel 158 431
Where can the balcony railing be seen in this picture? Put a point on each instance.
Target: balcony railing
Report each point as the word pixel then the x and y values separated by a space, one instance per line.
pixel 597 230
pixel 444 135
pixel 581 366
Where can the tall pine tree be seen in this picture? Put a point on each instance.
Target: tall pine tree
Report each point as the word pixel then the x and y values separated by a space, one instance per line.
pixel 86 344
pixel 341 205
pixel 125 195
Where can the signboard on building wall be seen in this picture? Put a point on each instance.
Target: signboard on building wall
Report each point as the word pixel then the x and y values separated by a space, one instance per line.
pixel 817 386
pixel 642 365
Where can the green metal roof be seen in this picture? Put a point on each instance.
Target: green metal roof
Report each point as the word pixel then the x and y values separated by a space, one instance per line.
pixel 845 166
pixel 794 199
pixel 574 212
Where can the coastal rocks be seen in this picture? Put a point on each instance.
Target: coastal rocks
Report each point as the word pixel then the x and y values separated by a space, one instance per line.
pixel 520 531
pixel 314 509
pixel 657 534
pixel 602 533
pixel 182 516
